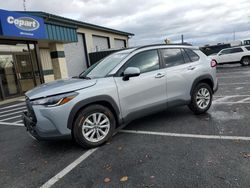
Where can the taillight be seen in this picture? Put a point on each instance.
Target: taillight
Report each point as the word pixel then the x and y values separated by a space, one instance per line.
pixel 213 63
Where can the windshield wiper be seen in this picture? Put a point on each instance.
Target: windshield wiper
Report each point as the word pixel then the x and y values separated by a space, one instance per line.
pixel 85 77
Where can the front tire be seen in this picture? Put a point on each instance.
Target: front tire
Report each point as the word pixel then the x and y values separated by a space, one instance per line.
pixel 201 98
pixel 245 61
pixel 93 126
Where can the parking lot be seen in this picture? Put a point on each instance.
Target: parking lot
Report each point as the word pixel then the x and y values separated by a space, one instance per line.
pixel 170 149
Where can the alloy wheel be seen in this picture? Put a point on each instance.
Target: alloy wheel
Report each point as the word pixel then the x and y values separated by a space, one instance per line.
pixel 203 98
pixel 246 61
pixel 96 127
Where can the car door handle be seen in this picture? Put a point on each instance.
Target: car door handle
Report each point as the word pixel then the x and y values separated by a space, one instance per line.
pixel 191 68
pixel 159 75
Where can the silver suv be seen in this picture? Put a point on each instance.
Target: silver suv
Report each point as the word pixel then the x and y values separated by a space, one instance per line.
pixel 120 88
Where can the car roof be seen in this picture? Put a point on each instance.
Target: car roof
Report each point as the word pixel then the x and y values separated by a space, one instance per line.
pixel 233 47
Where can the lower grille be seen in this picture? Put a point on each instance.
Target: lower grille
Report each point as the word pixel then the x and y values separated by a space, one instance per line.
pixel 30 110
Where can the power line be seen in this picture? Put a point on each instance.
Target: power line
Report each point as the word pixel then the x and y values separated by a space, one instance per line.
pixel 24 5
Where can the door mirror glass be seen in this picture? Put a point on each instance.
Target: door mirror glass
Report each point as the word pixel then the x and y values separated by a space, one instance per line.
pixel 131 72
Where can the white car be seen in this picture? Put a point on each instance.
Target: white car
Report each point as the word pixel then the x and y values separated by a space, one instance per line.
pixel 240 54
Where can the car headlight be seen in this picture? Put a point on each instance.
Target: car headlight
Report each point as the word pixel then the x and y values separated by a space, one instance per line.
pixel 56 100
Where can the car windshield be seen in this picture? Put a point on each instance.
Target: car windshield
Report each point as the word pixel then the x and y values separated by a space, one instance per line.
pixel 104 66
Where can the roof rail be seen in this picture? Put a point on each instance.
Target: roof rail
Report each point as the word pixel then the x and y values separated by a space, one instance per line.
pixel 151 45
pixel 172 44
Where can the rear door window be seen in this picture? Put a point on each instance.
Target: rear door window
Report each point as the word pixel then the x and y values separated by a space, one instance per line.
pixel 172 57
pixel 236 50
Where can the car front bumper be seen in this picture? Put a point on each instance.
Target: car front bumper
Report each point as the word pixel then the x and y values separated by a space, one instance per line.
pixel 35 132
pixel 30 125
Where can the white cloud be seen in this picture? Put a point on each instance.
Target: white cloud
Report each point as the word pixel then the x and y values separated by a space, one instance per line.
pixel 201 22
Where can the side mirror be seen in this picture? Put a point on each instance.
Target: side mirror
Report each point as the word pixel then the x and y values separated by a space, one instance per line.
pixel 131 72
pixel 220 54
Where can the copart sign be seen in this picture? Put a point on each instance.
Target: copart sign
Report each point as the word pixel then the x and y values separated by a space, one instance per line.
pixel 24 23
pixel 21 25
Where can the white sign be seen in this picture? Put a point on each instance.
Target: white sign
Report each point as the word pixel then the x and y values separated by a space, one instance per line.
pixel 24 23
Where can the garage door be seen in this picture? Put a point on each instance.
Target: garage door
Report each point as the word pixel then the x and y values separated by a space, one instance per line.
pixel 75 56
pixel 100 43
pixel 120 43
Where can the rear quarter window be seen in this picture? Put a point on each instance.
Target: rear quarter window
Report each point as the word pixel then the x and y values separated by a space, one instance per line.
pixel 248 48
pixel 192 55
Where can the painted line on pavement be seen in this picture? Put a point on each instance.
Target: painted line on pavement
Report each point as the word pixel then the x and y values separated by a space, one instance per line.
pixel 14 117
pixel 231 95
pixel 9 114
pixel 66 170
pixel 244 100
pixel 11 106
pixel 231 102
pixel 20 121
pixel 228 84
pixel 15 124
pixel 3 112
pixel 234 77
pixel 231 69
pixel 222 99
pixel 235 72
pixel 220 137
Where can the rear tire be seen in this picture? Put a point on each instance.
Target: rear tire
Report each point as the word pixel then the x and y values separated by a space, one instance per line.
pixel 245 61
pixel 201 98
pixel 93 126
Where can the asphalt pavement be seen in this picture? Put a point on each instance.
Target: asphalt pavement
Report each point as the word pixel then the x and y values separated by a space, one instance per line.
pixel 170 149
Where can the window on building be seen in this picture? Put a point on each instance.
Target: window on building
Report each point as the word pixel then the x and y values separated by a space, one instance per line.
pixel 100 43
pixel 119 43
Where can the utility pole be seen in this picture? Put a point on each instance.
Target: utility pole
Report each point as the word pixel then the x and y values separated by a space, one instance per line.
pixel 24 5
pixel 182 39
pixel 234 35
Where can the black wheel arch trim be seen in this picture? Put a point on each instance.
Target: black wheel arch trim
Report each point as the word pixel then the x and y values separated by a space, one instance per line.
pixel 244 57
pixel 93 100
pixel 199 79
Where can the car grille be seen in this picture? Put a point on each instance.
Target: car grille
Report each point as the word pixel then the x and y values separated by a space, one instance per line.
pixel 30 110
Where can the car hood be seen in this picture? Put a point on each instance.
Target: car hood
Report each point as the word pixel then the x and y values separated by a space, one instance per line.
pixel 58 87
